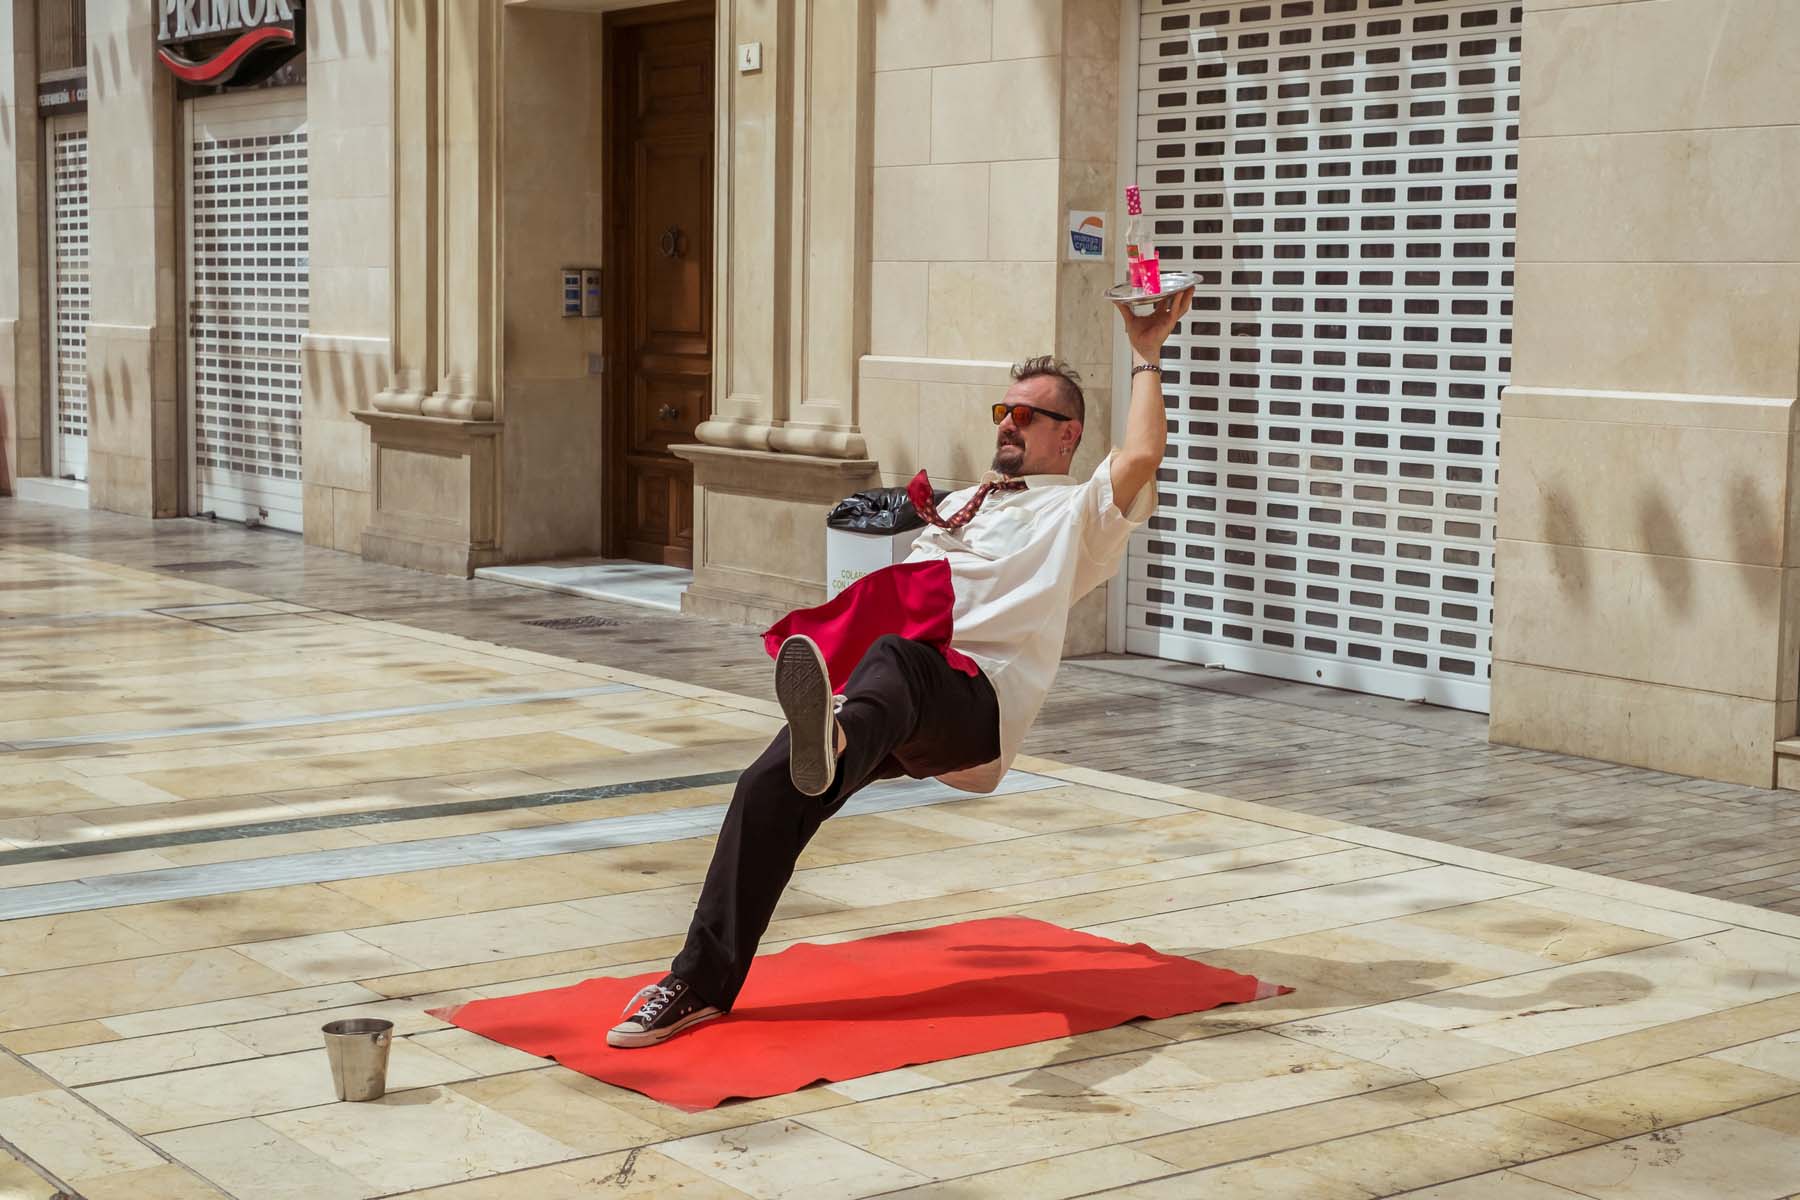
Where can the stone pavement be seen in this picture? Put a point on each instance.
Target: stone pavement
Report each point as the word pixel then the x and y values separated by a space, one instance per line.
pixel 229 813
pixel 1393 766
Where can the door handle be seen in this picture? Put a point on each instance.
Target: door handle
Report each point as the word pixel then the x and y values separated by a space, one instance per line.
pixel 668 412
pixel 671 242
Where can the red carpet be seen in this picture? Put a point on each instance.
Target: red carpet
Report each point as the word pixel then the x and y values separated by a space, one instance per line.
pixel 834 1012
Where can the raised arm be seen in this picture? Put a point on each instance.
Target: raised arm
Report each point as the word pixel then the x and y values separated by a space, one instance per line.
pixel 1140 452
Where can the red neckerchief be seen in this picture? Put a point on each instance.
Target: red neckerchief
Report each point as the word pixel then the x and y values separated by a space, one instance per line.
pixel 919 492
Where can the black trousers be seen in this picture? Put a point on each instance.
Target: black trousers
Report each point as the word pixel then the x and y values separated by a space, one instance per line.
pixel 906 712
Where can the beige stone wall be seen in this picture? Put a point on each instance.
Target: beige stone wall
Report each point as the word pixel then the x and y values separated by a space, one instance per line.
pixel 552 187
pixel 21 189
pixel 1647 596
pixel 881 318
pixel 349 116
pixel 992 119
pixel 133 353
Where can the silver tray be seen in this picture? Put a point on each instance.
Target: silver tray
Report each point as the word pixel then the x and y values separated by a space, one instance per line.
pixel 1142 302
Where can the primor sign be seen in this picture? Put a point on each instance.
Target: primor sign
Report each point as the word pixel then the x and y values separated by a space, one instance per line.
pixel 219 42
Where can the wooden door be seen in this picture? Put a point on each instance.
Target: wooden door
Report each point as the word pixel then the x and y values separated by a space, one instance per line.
pixel 659 255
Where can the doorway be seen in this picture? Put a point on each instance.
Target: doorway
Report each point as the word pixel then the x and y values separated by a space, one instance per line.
pixel 659 318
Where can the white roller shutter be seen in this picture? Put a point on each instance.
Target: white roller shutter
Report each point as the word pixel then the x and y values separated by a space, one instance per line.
pixel 68 260
pixel 1341 173
pixel 247 302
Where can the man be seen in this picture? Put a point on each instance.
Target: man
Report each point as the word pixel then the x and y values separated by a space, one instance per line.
pixel 985 596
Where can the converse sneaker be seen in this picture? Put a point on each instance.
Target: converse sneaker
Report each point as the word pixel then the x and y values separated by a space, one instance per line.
pixel 803 686
pixel 659 1012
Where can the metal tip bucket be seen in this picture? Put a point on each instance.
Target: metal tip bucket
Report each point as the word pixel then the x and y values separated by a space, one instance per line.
pixel 358 1049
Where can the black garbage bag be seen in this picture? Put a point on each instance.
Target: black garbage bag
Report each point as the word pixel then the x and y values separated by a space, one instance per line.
pixel 878 511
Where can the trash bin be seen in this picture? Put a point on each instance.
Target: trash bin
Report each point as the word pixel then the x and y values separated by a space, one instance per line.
pixel 358 1050
pixel 869 531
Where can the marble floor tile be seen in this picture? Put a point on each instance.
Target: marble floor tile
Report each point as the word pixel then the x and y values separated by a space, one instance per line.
pixel 71 939
pixel 326 958
pixel 152 1055
pixel 56 1037
pixel 1496 1185
pixel 70 1139
pixel 293 1000
pixel 1582 1002
pixel 1538 931
pixel 418 1139
pixel 1721 1157
pixel 1625 913
pixel 474 1053
pixel 623 1175
pixel 988 1124
pixel 1247 1181
pixel 112 989
pixel 63 870
pixel 254 1087
pixel 872 837
pixel 485 937
pixel 1375 1038
pixel 20 1182
pixel 301 1031
pixel 264 915
pixel 561 1105
pixel 1060 1178
pixel 251 1161
pixel 1776 1055
pixel 784 1158
pixel 22 1079
pixel 1385 890
pixel 152 1183
pixel 884 1083
pixel 1265 1135
pixel 1380 961
pixel 1062 809
pixel 1624 1106
pixel 1394 1160
pixel 237 849
pixel 677 1124
pixel 1214 1080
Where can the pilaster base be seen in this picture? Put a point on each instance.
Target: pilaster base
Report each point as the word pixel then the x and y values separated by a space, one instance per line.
pixel 759 529
pixel 435 493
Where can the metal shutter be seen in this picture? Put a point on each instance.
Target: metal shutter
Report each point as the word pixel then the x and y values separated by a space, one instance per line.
pixel 1341 174
pixel 69 294
pixel 247 302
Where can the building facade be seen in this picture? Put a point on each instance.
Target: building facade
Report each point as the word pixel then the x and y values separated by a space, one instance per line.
pixel 469 283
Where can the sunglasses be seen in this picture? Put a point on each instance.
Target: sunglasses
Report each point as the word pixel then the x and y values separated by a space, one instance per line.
pixel 1023 413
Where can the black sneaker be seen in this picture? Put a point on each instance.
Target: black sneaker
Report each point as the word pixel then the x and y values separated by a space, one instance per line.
pixel 803 686
pixel 659 1012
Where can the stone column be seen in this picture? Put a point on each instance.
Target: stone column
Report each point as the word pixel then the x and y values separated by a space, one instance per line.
pixel 133 347
pixel 435 429
pixel 21 299
pixel 828 267
pixel 790 277
pixel 347 348
pixel 1647 595
pixel 752 191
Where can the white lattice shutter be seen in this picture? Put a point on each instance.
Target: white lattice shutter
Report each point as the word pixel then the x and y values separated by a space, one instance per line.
pixel 69 294
pixel 247 302
pixel 1341 173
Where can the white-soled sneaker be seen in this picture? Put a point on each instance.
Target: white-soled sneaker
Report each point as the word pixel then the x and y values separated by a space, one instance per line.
pixel 803 685
pixel 659 1012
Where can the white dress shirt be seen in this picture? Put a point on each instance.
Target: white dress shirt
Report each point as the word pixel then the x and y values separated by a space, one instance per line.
pixel 1018 567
